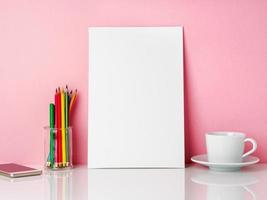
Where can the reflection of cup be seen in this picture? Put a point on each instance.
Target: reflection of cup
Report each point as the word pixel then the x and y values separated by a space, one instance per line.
pixel 228 193
pixel 226 186
pixel 227 147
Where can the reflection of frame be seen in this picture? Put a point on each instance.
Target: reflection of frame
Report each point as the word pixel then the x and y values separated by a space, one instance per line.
pixel 136 117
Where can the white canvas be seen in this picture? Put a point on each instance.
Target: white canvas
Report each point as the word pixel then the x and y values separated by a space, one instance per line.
pixel 136 102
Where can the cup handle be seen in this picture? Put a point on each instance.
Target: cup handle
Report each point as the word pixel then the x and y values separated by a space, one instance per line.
pixel 254 147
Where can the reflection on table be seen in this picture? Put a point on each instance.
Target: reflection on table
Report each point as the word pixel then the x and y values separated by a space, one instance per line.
pixel 59 185
pixel 193 183
pixel 226 185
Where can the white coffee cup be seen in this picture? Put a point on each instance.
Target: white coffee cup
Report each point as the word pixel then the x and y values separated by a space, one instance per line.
pixel 227 147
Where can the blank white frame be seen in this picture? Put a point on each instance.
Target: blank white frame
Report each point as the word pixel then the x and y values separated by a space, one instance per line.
pixel 136 101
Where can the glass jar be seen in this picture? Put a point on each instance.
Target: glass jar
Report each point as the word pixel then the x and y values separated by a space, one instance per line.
pixel 58 148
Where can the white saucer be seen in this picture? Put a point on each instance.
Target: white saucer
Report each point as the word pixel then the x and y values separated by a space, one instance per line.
pixel 203 160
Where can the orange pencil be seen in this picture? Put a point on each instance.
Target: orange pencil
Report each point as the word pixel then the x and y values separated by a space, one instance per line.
pixel 73 98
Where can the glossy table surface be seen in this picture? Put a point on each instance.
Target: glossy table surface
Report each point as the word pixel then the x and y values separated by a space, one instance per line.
pixel 193 182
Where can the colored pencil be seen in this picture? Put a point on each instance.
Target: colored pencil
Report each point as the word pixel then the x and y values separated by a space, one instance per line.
pixel 59 134
pixel 70 96
pixel 63 125
pixel 55 130
pixel 70 93
pixel 67 123
pixel 57 125
pixel 60 145
pixel 73 98
pixel 52 126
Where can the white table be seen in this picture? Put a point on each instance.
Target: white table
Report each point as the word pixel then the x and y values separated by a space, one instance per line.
pixel 194 182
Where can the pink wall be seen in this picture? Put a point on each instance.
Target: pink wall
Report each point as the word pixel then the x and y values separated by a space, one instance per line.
pixel 44 44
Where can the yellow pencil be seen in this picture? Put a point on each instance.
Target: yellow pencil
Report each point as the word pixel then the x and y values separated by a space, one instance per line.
pixel 63 127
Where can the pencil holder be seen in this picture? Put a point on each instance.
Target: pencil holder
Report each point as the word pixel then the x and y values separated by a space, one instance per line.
pixel 58 148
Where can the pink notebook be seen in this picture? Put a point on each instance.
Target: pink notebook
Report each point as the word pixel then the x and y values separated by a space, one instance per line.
pixel 14 170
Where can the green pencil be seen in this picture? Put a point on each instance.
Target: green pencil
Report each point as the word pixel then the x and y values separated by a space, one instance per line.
pixel 52 126
pixel 67 123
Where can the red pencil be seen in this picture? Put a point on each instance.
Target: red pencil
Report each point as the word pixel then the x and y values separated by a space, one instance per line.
pixel 57 125
pixel 56 121
pixel 59 137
